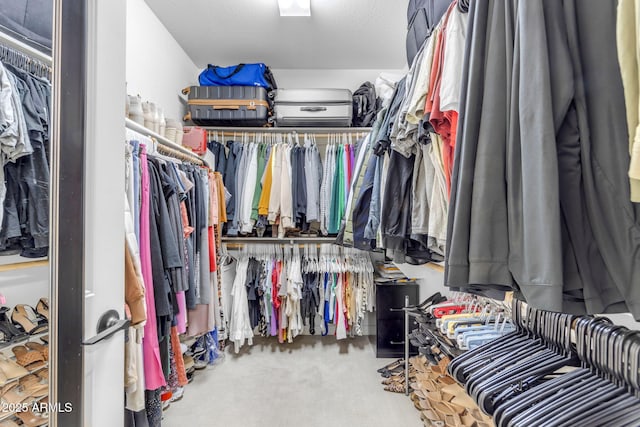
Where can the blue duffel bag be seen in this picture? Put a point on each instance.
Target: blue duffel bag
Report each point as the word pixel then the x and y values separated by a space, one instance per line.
pixel 238 75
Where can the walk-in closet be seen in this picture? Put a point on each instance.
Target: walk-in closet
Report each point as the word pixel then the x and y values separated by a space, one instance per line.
pixel 319 212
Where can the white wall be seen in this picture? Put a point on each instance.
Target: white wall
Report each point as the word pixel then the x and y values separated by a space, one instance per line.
pixel 157 67
pixel 342 79
pixel 24 285
pixel 429 280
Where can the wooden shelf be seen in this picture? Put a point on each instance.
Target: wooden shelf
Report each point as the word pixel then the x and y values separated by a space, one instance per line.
pixel 23 265
pixel 435 266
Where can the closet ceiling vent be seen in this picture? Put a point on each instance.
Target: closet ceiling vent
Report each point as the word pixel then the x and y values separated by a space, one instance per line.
pixel 295 7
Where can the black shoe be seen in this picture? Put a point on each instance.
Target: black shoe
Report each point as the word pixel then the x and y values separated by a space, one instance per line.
pixel 11 331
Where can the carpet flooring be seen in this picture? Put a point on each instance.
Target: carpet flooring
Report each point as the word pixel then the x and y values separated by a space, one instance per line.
pixel 314 382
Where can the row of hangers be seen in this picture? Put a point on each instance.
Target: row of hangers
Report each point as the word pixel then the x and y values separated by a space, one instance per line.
pixel 155 148
pixel 338 259
pixel 555 369
pixel 328 259
pixel 291 137
pixel 473 320
pixel 11 56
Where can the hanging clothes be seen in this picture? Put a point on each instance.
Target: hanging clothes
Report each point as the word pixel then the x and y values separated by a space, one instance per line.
pixel 307 196
pixel 281 293
pixel 180 212
pixel 25 101
pixel 540 191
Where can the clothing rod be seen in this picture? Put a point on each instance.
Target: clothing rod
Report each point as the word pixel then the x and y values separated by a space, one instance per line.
pixel 298 130
pixel 277 240
pixel 226 134
pixel 231 245
pixel 179 155
pixel 16 44
pixel 163 141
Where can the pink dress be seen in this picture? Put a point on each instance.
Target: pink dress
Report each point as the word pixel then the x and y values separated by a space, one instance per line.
pixel 154 377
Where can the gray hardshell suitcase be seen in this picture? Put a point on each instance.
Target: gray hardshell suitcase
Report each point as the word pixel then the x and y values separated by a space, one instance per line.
pixel 313 107
pixel 228 105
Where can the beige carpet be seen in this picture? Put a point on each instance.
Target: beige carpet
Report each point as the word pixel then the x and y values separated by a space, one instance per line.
pixel 314 382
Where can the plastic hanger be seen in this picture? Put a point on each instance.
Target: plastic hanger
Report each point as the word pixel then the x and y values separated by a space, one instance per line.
pixel 551 404
pixel 554 353
pixel 520 336
pixel 606 353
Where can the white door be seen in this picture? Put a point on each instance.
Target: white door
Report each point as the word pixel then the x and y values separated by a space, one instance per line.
pixel 103 386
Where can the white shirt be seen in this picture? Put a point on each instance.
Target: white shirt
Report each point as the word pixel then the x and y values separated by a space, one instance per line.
pixel 419 95
pixel 455 39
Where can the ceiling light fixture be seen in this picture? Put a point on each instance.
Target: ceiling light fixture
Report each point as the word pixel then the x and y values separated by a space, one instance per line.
pixel 295 7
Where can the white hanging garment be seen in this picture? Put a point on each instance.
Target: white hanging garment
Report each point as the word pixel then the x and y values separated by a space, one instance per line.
pixel 341 327
pixel 240 329
pixel 294 296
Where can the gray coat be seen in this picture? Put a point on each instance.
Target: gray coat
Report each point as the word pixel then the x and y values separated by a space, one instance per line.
pixel 540 197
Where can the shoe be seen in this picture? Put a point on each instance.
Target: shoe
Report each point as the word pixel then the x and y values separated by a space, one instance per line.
pixel 162 122
pixel 25 316
pixel 43 374
pixel 391 365
pixel 29 359
pixel 178 394
pixel 200 364
pixel 10 369
pixel 188 362
pixel 174 131
pixel 34 386
pixel 395 388
pixel 148 115
pixel 166 399
pixel 398 378
pixel 430 418
pixel 30 419
pixel 390 372
pixel 179 133
pixel 40 348
pixel 171 129
pixel 14 395
pixel 43 308
pixel 135 110
pixel 11 332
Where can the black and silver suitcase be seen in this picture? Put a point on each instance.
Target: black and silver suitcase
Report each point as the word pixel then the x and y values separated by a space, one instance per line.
pixel 228 105
pixel 313 107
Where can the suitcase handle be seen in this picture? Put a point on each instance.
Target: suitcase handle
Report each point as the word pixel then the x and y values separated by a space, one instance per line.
pixel 313 109
pixel 215 68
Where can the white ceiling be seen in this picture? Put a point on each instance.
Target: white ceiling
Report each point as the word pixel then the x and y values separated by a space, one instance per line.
pixel 340 34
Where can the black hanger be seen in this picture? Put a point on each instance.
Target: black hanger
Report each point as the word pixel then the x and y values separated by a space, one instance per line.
pixel 555 354
pixel 620 351
pixel 594 392
pixel 495 357
pixel 520 405
pixel 485 352
pixel 556 399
